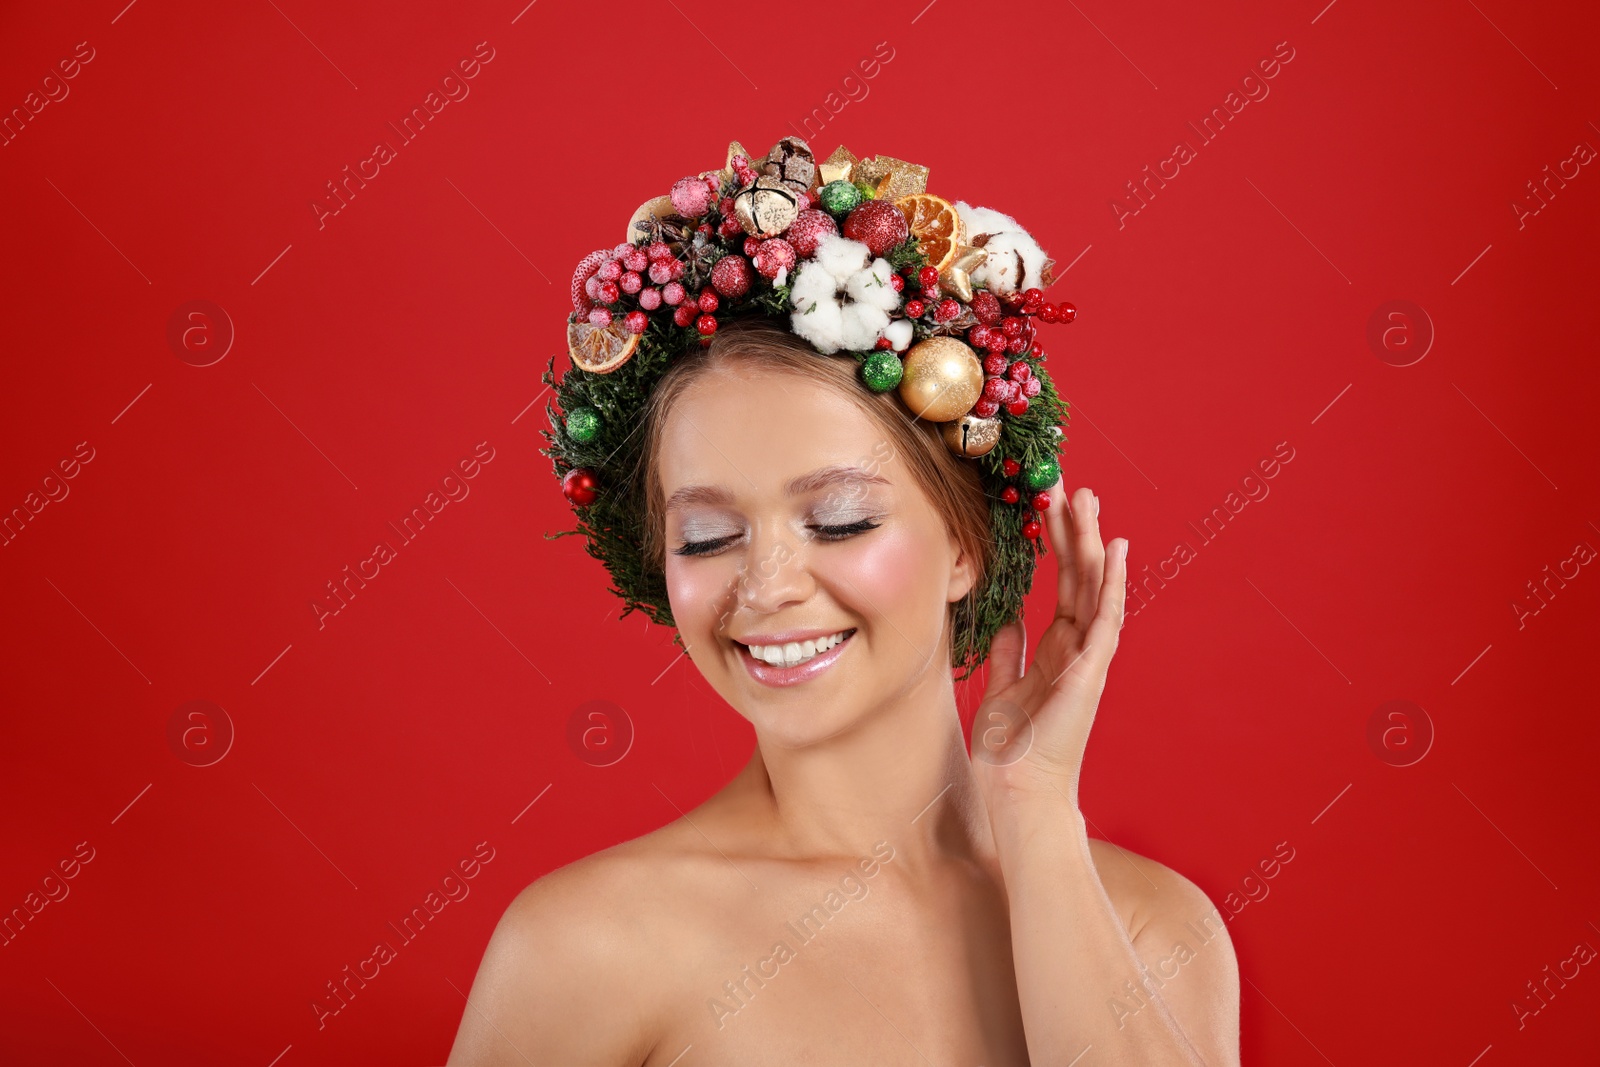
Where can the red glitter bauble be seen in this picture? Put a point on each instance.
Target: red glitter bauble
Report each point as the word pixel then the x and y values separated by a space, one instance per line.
pixel 731 276
pixel 586 268
pixel 773 256
pixel 877 224
pixel 580 486
pixel 690 197
pixel 809 227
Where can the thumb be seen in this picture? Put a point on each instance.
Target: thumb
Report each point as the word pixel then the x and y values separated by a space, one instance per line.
pixel 1007 654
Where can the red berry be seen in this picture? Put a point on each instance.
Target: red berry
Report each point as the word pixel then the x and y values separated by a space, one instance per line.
pixel 1040 501
pixel 1012 325
pixel 897 282
pixel 661 271
pixel 636 260
pixel 994 365
pixel 930 293
pixel 1048 312
pixel 657 250
pixel 706 324
pixel 1031 387
pixel 1032 298
pixel 915 308
pixel 1019 371
pixel 1009 494
pixel 631 282
pixel 978 336
pixel 986 409
pixel 730 227
pixel 883 344
pixel 1016 345
pixel 986 306
pixel 684 315
pixel 606 293
pixel 1065 312
pixel 996 389
pixel 948 309
pixel 1031 529
pixel 1019 406
pixel 600 317
pixel 725 205
pixel 997 341
pixel 751 244
pixel 708 301
pixel 673 293
pixel 636 321
pixel 1011 467
pixel 677 268
pixel 928 277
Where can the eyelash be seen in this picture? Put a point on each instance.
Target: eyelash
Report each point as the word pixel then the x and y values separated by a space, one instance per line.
pixel 830 533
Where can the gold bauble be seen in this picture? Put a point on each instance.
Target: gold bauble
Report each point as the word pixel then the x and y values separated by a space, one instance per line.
pixel 943 379
pixel 766 208
pixel 971 436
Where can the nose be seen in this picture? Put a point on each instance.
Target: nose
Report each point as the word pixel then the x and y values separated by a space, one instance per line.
pixel 774 573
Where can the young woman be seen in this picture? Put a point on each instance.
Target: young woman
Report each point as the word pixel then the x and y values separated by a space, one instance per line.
pixel 863 891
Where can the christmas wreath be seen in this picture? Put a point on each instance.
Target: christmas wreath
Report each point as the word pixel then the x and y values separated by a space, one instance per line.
pixel 936 300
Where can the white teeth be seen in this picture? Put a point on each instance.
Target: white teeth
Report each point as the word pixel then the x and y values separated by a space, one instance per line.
pixel 795 652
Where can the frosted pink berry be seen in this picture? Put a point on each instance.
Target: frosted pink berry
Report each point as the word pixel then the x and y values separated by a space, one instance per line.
pixel 658 250
pixel 636 321
pixel 600 317
pixel 606 293
pixel 1031 387
pixel 661 271
pixel 672 293
pixel 635 260
pixel 610 270
pixel 631 282
pixel 650 299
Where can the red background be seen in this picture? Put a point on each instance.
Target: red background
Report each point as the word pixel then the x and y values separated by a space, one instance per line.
pixel 374 353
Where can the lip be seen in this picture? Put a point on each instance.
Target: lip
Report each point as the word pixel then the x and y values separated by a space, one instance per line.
pixel 767 674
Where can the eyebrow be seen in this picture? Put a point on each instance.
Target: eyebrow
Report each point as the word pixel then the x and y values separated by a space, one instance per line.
pixel 821 478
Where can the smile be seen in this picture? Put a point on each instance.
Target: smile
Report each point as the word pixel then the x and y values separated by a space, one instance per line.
pixel 793 663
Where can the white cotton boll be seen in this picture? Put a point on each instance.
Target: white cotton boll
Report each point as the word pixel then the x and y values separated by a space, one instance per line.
pixel 840 256
pixel 812 283
pixel 976 220
pixel 820 322
pixel 1015 262
pixel 871 287
pixel 863 324
pixel 778 278
pixel 899 334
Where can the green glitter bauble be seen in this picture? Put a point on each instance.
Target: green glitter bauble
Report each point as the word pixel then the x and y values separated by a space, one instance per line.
pixel 867 191
pixel 839 198
pixel 1041 475
pixel 583 425
pixel 882 371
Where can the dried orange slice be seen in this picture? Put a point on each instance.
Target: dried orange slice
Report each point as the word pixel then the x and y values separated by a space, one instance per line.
pixel 600 349
pixel 936 224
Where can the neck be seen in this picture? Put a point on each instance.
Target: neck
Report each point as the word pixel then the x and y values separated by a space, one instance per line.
pixel 901 775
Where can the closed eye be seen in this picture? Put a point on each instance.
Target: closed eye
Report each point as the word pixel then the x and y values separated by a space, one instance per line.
pixel 825 533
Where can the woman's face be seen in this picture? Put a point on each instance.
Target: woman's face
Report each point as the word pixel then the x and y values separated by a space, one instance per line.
pixel 790 516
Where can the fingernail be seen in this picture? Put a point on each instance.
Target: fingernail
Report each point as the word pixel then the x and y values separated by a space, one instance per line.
pixel 1125 545
pixel 1097 507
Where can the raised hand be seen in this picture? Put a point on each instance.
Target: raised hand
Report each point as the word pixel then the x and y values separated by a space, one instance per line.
pixel 1031 729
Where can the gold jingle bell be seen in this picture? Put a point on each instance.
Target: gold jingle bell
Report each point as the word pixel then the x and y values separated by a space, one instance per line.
pixel 766 208
pixel 971 436
pixel 943 379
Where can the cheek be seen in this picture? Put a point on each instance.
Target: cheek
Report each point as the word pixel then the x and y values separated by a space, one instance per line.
pixel 890 572
pixel 700 593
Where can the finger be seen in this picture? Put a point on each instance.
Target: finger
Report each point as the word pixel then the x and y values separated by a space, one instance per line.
pixel 1058 521
pixel 1007 653
pixel 1090 554
pixel 1103 631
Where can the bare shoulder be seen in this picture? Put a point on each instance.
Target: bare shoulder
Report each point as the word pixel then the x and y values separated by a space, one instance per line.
pixel 1182 940
pixel 567 975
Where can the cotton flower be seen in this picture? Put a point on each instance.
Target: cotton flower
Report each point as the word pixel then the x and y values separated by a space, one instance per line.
pixel 842 268
pixel 1014 259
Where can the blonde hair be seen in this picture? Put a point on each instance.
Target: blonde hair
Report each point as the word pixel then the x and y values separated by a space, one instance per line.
pixel 951 483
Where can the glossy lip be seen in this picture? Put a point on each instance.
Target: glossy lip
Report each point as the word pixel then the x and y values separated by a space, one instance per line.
pixel 767 674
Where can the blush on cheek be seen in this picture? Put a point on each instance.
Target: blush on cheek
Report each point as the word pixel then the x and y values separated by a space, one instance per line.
pixel 700 593
pixel 890 576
